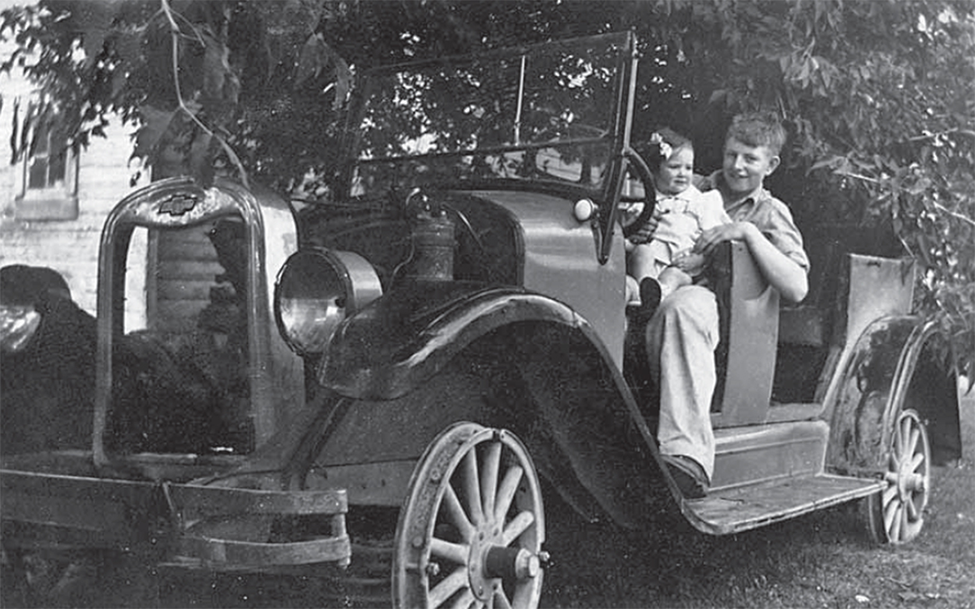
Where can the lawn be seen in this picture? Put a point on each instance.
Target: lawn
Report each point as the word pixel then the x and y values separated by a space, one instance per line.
pixel 822 560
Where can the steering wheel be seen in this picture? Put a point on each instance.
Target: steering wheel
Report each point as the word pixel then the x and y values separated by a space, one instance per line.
pixel 632 223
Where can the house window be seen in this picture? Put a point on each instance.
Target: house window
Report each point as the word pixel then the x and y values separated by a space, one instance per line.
pixel 49 184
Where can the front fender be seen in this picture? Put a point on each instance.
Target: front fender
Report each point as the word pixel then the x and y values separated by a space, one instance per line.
pixel 501 357
pixel 410 334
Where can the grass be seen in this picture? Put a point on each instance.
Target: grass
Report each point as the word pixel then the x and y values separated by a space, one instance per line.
pixel 821 560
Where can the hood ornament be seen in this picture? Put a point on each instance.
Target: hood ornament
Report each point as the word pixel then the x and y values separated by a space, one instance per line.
pixel 178 204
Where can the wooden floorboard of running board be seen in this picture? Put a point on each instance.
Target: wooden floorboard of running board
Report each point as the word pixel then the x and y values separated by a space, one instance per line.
pixel 746 508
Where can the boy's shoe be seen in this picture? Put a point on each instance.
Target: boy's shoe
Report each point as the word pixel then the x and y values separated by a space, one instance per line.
pixel 689 476
pixel 650 294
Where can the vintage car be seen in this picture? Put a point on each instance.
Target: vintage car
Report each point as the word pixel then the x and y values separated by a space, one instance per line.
pixel 453 350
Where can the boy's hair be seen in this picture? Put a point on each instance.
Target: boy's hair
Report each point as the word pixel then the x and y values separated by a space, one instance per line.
pixel 673 140
pixel 758 129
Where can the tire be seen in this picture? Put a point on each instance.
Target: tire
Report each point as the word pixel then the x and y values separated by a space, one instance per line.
pixel 895 515
pixel 472 525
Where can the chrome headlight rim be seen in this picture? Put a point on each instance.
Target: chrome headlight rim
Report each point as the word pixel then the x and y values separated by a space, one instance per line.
pixel 315 291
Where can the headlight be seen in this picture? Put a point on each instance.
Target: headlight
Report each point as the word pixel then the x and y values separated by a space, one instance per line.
pixel 316 290
pixel 18 323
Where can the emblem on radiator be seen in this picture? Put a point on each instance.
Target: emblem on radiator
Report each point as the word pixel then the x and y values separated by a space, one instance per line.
pixel 178 204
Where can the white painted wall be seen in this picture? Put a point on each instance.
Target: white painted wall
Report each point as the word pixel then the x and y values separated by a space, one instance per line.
pixel 69 247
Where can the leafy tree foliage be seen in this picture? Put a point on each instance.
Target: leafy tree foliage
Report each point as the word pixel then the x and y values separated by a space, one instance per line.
pixel 878 95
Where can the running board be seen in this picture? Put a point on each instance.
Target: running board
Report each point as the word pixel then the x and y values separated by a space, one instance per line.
pixel 739 509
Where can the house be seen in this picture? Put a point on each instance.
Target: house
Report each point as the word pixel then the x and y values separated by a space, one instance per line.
pixel 53 202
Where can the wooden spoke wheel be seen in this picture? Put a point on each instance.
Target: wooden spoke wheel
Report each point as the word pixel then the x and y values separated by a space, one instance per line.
pixel 471 529
pixel 896 514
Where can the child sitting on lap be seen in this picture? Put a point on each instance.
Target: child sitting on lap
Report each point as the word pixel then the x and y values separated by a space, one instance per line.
pixel 662 260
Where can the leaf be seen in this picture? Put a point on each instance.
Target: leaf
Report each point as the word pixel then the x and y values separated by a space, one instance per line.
pixel 14 149
pixel 830 161
pixel 235 160
pixel 220 82
pixel 91 20
pixel 198 159
pixel 285 25
pixel 343 82
pixel 317 56
pixel 313 59
pixel 155 123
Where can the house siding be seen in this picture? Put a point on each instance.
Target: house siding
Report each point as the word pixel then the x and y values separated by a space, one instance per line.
pixel 67 246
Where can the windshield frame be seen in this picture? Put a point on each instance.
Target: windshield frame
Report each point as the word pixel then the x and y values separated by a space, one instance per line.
pixel 614 140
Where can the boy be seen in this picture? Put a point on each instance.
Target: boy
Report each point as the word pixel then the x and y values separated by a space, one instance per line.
pixel 683 333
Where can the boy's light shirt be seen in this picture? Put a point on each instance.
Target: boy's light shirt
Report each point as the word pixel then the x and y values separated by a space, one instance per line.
pixel 771 215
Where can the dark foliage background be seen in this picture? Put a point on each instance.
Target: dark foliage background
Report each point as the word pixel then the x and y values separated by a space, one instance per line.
pixel 878 95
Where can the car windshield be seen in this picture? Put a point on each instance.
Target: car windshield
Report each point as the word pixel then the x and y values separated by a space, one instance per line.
pixel 547 113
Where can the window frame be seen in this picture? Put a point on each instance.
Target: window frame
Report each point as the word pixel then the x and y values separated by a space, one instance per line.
pixel 55 201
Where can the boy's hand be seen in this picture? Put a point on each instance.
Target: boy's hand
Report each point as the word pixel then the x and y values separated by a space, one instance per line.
pixel 690 262
pixel 735 231
pixel 783 273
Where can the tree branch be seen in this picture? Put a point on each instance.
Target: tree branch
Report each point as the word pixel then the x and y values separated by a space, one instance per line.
pixel 175 33
pixel 953 214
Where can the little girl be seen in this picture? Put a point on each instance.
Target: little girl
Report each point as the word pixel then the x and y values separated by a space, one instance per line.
pixel 662 260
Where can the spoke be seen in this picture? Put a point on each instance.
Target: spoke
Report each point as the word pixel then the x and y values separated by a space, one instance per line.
pixel 889 493
pixel 912 513
pixel 889 511
pixel 472 486
pixel 453 552
pixel 489 478
pixel 456 513
pixel 890 478
pixel 507 491
pixel 448 587
pixel 501 599
pixel 465 600
pixel 518 525
pixel 917 461
pixel 895 534
pixel 523 594
pixel 912 442
pixel 895 462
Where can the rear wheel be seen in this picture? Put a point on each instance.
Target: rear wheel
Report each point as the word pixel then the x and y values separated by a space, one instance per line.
pixel 471 529
pixel 896 514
